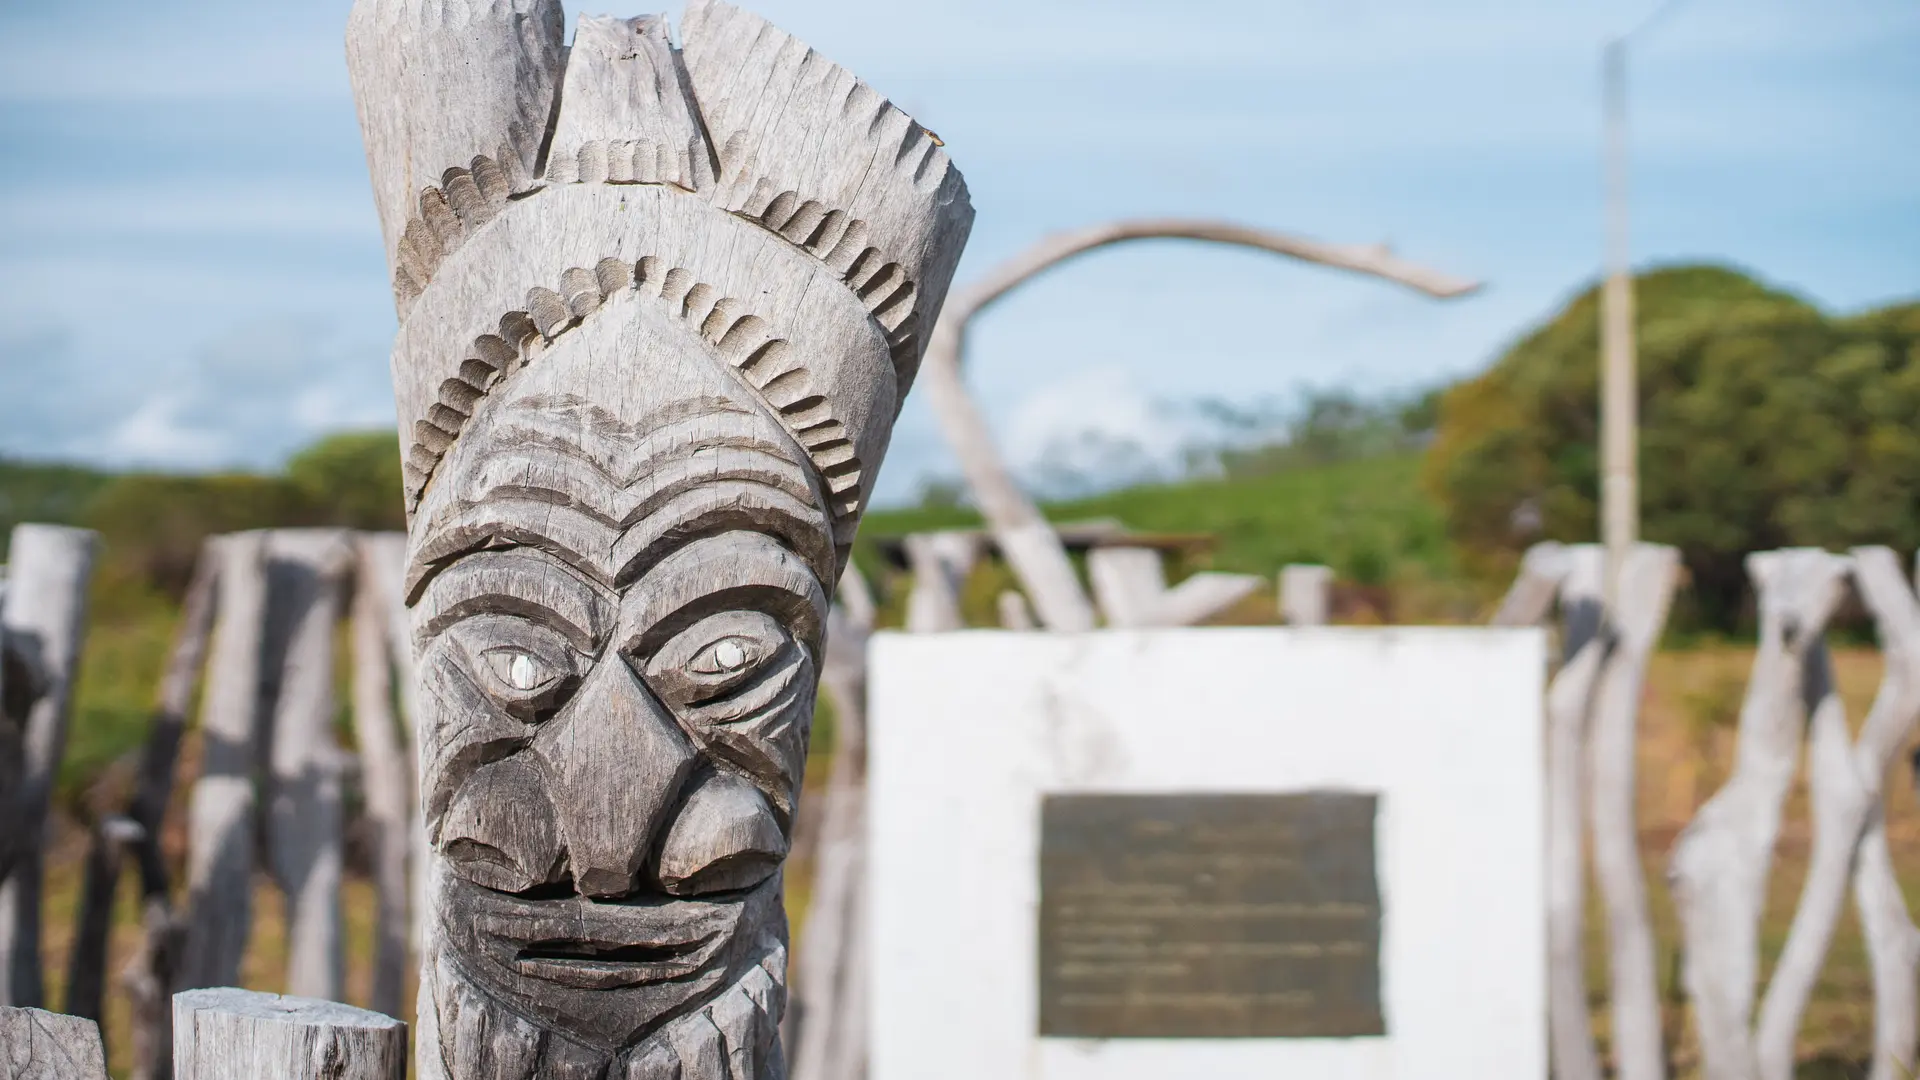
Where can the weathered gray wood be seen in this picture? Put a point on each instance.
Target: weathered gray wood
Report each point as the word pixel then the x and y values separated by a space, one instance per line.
pixel 1030 546
pixel 36 1045
pixel 230 1034
pixel 1642 598
pixel 940 562
pixel 1845 778
pixel 148 980
pixel 45 618
pixel 1130 584
pixel 1719 866
pixel 218 912
pixel 641 416
pixel 1570 699
pixel 1015 612
pixel 455 98
pixel 307 570
pixel 139 830
pixel 1542 569
pixel 386 770
pixel 1305 594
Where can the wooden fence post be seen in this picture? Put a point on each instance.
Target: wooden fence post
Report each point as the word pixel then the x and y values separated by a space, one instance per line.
pixel 386 770
pixel 1719 866
pixel 1530 597
pixel 643 394
pixel 1569 705
pixel 36 1045
pixel 1305 594
pixel 1849 842
pixel 306 572
pixel 830 992
pixel 146 810
pixel 45 620
pixel 221 829
pixel 229 1034
pixel 940 562
pixel 1644 596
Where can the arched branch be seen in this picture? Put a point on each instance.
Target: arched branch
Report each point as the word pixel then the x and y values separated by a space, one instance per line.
pixel 1028 543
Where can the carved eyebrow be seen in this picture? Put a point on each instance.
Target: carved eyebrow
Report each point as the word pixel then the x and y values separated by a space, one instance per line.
pixel 716 573
pixel 517 581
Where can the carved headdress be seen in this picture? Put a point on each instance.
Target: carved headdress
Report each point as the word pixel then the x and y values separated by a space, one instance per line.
pixel 658 310
pixel 505 230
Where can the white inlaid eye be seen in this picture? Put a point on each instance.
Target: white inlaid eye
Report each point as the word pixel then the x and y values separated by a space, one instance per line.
pixel 520 670
pixel 521 673
pixel 726 656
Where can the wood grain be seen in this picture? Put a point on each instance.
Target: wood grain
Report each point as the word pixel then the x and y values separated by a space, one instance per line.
pixel 231 1034
pixel 36 1045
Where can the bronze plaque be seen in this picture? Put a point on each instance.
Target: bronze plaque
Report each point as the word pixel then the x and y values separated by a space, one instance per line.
pixel 1209 916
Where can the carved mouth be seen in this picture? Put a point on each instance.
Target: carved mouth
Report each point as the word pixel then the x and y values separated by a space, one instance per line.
pixel 602 965
pixel 596 945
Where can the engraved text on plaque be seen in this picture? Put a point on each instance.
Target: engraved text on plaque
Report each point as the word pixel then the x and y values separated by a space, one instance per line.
pixel 1209 916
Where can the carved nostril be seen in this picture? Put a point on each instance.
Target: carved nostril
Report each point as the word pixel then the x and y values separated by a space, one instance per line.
pixel 615 762
pixel 724 838
pixel 499 831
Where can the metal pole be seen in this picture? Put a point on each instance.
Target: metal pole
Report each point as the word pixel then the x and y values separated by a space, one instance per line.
pixel 1619 375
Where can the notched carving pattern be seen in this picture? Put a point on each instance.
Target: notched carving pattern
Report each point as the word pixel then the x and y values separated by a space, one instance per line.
pixel 840 241
pixel 743 340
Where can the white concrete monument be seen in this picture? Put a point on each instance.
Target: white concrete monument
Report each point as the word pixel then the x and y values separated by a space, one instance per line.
pixel 1215 852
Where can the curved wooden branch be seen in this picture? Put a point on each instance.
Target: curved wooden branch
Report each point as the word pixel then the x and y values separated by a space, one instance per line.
pixel 1029 545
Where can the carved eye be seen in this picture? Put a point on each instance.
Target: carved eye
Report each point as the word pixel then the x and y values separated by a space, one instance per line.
pixel 726 656
pixel 520 670
pixel 715 655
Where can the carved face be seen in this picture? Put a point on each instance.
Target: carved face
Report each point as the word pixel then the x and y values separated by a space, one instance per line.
pixel 618 607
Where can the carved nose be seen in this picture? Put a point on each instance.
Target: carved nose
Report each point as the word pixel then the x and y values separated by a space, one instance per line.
pixel 616 761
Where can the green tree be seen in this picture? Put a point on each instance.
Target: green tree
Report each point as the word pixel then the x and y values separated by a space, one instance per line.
pixel 1764 423
pixel 352 479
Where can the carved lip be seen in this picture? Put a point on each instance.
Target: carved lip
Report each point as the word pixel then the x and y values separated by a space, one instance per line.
pixel 596 945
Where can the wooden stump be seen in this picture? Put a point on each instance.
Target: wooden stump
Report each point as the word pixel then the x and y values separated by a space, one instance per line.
pixel 229 1034
pixel 36 1045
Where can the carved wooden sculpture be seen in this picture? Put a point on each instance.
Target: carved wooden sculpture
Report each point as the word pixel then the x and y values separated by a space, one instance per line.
pixel 45 618
pixel 650 354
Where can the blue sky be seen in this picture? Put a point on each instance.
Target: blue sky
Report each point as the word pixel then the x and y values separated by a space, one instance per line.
pixel 193 274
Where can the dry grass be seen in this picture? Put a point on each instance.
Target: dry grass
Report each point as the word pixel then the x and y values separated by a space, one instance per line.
pixel 1686 747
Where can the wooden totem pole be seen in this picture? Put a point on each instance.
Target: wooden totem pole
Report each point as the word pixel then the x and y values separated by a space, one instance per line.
pixel 658 308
